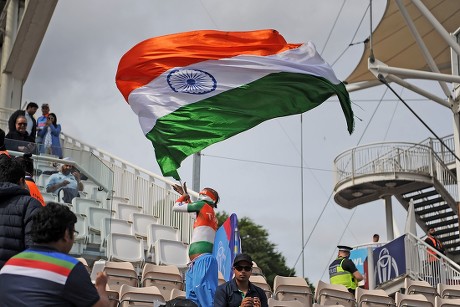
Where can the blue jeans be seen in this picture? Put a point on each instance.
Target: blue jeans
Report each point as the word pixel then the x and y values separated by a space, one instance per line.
pixel 201 280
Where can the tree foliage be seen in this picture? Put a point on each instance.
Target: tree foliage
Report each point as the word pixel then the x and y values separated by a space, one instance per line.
pixel 255 242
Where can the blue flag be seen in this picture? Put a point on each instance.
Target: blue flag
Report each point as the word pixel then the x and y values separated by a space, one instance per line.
pixel 227 245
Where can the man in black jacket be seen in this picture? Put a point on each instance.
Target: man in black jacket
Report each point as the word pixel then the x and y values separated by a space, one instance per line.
pixel 17 208
pixel 29 113
pixel 240 291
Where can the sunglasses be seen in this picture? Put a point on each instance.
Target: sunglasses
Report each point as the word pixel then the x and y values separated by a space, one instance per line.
pixel 21 124
pixel 239 268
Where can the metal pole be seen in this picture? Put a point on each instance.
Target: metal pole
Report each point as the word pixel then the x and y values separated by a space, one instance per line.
pixel 196 172
pixel 301 193
pixel 389 217
pixel 370 268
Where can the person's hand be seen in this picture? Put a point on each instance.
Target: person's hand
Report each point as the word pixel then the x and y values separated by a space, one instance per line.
pixel 64 183
pixel 101 279
pixel 179 189
pixel 247 302
pixel 257 302
pixel 77 175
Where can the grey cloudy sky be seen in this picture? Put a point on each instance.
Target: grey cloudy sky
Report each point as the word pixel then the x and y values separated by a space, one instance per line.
pixel 75 70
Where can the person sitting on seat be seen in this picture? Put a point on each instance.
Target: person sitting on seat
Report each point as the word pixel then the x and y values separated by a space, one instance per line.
pixel 342 271
pixel 44 274
pixel 65 180
pixel 240 291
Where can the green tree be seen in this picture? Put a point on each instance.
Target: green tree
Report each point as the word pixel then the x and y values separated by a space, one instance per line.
pixel 255 242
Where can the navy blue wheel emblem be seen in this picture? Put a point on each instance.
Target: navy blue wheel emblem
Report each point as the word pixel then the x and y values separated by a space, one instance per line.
pixel 191 81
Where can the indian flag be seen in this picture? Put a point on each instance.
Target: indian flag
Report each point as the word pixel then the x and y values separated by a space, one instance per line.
pixel 194 89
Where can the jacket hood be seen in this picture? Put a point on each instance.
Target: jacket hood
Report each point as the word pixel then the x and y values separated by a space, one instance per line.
pixel 8 189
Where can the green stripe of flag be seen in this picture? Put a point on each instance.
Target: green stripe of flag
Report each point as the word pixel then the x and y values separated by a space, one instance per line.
pixel 196 126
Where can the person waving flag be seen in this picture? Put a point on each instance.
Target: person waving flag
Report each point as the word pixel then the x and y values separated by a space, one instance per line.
pixel 194 89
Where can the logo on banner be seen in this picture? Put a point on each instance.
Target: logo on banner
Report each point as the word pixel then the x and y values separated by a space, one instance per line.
pixel 386 267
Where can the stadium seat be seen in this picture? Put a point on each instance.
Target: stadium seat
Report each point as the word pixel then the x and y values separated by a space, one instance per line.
pixel 125 211
pixel 175 293
pixel 449 291
pixel 49 197
pixel 420 287
pixel 42 180
pixel 120 273
pixel 275 303
pixel 261 282
pixel 88 189
pixel 406 300
pixel 165 277
pixel 141 222
pixel 113 296
pixel 292 288
pixel 95 217
pixel 256 270
pixel 143 296
pixel 445 302
pixel 333 295
pixel 158 231
pixel 320 305
pixel 79 205
pixel 124 247
pixel 111 225
pixel 373 298
pixel 81 235
pixel 169 252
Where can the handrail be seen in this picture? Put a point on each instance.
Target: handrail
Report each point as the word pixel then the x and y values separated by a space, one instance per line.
pixel 425 263
pixel 145 189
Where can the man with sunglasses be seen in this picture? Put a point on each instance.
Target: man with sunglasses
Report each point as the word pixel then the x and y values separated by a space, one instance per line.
pixel 240 291
pixel 201 277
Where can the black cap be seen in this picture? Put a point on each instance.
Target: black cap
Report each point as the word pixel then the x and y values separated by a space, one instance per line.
pixel 242 257
pixel 344 248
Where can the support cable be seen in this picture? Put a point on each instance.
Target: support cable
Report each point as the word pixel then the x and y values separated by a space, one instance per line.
pixel 384 81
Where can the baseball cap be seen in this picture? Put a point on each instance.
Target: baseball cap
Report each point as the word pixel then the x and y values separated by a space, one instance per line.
pixel 242 257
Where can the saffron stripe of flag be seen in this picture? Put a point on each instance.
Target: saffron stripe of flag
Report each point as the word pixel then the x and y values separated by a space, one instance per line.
pixel 191 90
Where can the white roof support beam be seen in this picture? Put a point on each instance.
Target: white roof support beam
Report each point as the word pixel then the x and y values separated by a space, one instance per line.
pixel 380 68
pixel 418 38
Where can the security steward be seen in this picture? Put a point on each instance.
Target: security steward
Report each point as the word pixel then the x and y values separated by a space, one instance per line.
pixel 343 271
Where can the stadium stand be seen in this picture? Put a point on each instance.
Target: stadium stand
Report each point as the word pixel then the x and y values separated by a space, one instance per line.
pixel 445 302
pixel 141 222
pixel 164 277
pixel 120 273
pixel 373 298
pixel 140 296
pixel 169 252
pixel 420 287
pixel 449 291
pixel 124 247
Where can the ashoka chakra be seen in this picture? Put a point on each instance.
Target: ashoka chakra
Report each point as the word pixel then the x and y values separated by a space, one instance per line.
pixel 191 81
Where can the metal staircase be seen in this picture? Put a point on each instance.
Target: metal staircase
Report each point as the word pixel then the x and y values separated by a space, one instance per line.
pixel 423 173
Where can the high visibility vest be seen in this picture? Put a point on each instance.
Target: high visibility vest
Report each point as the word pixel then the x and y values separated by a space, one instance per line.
pixel 338 276
pixel 437 245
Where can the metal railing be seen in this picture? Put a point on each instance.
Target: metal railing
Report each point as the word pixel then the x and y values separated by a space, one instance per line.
pixel 425 263
pixel 392 158
pixel 143 188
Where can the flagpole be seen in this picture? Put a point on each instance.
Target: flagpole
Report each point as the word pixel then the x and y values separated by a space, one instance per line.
pixel 301 192
pixel 196 172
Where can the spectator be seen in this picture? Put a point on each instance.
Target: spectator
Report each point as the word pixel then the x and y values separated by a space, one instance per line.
pixel 41 122
pixel 16 209
pixel 28 166
pixel 65 180
pixel 240 291
pixel 45 275
pixel 432 241
pixel 3 150
pixel 19 139
pixel 50 134
pixel 201 277
pixel 375 238
pixel 342 271
pixel 29 113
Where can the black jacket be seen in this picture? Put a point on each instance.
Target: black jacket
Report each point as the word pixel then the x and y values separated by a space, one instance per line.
pixel 12 123
pixel 228 295
pixel 16 210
